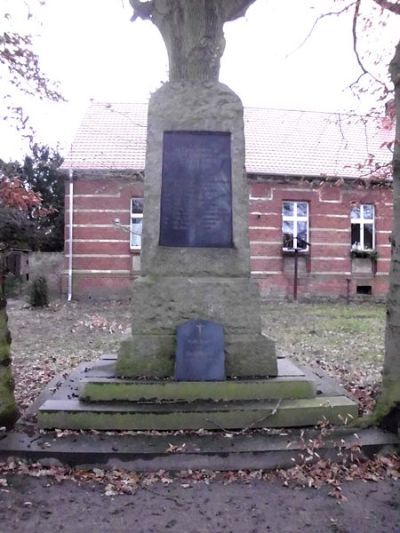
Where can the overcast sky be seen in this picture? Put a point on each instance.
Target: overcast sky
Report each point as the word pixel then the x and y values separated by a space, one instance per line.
pixel 95 52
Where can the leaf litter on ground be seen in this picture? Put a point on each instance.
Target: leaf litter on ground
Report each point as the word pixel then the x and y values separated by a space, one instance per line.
pixel 346 342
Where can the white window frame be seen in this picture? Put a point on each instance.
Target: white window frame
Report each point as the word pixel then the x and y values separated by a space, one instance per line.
pixel 132 216
pixel 362 221
pixel 295 218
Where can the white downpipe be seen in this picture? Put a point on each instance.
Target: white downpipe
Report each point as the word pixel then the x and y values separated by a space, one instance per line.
pixel 70 232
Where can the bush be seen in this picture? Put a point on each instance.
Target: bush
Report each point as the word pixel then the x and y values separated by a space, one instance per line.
pixel 14 285
pixel 39 295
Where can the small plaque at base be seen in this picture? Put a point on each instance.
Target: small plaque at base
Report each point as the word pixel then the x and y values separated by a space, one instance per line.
pixel 200 352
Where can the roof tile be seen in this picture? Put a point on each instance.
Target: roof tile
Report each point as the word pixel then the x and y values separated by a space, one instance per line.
pixel 112 136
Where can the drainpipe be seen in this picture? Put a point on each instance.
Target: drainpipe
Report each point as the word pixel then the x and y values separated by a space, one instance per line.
pixel 295 273
pixel 70 232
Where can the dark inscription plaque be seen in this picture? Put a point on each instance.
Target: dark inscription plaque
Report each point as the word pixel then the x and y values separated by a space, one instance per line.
pixel 200 351
pixel 196 191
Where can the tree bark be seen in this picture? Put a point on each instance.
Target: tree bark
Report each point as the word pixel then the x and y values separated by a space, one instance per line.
pixel 193 33
pixel 8 407
pixel 388 404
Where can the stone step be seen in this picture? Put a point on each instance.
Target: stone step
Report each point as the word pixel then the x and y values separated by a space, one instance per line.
pixel 101 385
pixel 75 414
pixel 111 390
pixel 150 452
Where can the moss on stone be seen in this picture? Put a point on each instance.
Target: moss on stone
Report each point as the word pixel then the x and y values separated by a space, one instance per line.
pixel 146 356
pixel 183 391
pixel 4 353
pixel 387 402
pixel 291 413
pixel 8 407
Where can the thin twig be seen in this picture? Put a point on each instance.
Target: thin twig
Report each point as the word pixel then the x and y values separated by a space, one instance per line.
pixel 265 417
pixel 217 425
pixel 364 70
pixel 317 20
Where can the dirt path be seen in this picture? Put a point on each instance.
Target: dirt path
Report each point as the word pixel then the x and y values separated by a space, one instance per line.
pixel 30 504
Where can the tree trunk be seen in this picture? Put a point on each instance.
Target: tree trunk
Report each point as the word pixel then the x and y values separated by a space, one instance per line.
pixel 193 33
pixel 387 410
pixel 8 407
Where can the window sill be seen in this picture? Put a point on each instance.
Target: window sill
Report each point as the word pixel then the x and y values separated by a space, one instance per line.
pixel 293 252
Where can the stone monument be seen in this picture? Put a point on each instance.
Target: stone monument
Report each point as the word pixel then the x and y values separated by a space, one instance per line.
pixel 195 261
pixel 197 357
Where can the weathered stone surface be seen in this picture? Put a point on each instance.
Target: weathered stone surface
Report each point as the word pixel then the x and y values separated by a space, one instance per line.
pixel 161 304
pixel 250 355
pixel 123 390
pixel 194 107
pixel 154 355
pixel 98 383
pixel 189 283
pixel 147 356
pixel 289 413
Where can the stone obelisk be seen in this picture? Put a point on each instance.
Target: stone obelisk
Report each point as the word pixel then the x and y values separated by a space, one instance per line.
pixel 195 260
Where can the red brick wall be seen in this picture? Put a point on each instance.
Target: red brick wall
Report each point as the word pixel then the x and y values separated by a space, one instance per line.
pixel 329 270
pixel 104 265
pixel 102 258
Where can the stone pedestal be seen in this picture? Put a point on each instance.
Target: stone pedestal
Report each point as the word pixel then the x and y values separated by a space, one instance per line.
pixel 180 283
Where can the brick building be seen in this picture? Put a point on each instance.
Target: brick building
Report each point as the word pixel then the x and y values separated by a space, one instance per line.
pixel 313 207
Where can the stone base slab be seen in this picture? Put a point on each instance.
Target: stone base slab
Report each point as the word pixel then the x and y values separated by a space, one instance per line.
pixel 73 414
pixel 102 387
pixel 153 356
pixel 152 452
pixel 58 406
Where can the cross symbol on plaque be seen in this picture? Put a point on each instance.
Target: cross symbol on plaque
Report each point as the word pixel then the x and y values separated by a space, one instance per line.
pixel 199 327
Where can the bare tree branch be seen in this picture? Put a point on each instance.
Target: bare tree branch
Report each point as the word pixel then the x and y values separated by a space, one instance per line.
pixel 394 7
pixel 364 70
pixel 235 9
pixel 318 20
pixel 143 10
pixel 354 31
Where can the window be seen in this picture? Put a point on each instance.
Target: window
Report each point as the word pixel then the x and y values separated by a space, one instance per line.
pixel 362 227
pixel 295 225
pixel 136 223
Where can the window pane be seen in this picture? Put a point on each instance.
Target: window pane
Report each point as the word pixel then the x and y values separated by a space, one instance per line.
pixel 137 205
pixel 136 232
pixel 368 211
pixel 288 209
pixel 355 212
pixel 301 235
pixel 302 208
pixel 287 227
pixel 368 228
pixel 355 234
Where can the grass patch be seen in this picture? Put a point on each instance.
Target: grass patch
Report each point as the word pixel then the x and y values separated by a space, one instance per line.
pixel 345 341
